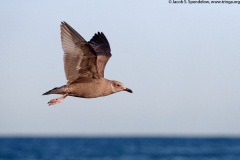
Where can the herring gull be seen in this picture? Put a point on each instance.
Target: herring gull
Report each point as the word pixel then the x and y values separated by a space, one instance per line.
pixel 84 64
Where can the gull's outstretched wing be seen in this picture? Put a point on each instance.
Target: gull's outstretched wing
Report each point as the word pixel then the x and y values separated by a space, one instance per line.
pixel 102 48
pixel 80 60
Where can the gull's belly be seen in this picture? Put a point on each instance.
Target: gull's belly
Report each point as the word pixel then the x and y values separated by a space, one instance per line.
pixel 87 90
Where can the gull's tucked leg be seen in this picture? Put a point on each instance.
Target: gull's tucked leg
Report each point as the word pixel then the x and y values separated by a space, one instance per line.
pixel 57 100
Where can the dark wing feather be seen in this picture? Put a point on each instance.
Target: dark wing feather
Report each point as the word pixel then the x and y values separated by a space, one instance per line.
pixel 80 60
pixel 102 48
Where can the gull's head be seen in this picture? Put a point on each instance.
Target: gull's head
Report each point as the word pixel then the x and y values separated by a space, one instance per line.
pixel 118 86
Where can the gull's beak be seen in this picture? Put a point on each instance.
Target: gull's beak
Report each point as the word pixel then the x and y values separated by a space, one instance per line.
pixel 128 90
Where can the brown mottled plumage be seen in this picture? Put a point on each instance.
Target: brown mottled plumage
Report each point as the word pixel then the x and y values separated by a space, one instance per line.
pixel 84 64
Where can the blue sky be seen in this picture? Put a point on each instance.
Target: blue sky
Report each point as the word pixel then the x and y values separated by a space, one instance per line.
pixel 180 60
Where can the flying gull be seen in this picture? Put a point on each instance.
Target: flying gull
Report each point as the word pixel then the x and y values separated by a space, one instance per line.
pixel 84 64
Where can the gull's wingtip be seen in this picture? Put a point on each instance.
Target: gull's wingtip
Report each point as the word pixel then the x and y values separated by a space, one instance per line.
pixel 63 23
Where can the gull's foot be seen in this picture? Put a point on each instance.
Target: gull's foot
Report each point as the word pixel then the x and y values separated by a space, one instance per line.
pixel 57 100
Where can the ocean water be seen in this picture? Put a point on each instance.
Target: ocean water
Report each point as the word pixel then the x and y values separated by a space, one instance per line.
pixel 119 148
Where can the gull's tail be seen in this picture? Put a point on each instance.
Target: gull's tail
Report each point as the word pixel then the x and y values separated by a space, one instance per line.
pixel 57 90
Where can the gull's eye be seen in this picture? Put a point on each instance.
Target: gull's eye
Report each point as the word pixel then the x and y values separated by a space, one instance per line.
pixel 118 85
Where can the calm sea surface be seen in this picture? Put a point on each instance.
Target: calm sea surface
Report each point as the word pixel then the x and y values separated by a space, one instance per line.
pixel 119 148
